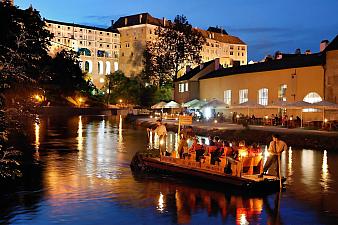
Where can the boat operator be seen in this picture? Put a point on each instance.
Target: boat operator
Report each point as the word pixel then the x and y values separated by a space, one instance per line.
pixel 161 132
pixel 275 150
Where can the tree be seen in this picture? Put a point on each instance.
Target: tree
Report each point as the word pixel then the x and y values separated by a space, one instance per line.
pixel 119 86
pixel 176 45
pixel 65 75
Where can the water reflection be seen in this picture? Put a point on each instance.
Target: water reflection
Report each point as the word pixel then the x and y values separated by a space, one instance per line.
pixel 325 173
pixel 94 185
pixel 37 135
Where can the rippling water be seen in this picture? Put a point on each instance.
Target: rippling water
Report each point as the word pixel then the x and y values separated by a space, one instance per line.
pixel 86 179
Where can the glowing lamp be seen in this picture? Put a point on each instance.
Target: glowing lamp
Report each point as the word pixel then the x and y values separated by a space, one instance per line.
pixel 266 117
pixel 237 116
pixel 215 121
pixel 325 121
pixel 161 142
pixel 120 100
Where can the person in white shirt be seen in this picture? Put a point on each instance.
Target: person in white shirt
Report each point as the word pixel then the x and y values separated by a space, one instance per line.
pixel 161 132
pixel 275 150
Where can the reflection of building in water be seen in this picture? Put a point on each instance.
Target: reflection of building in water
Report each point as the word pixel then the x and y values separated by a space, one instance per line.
pixel 79 137
pixel 307 165
pixel 325 173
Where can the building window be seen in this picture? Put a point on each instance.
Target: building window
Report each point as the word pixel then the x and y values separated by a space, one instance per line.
pixel 231 53
pixel 80 29
pixel 89 31
pixel 263 96
pixel 107 34
pixel 100 45
pixel 59 40
pixel 186 87
pixel 89 43
pixel 183 87
pixel 107 46
pixel 312 97
pixel 242 54
pixel 227 97
pixel 243 95
pixel 59 27
pixel 100 32
pixel 231 47
pixel 80 42
pixel 68 28
pixel 238 53
pixel 243 48
pixel 282 92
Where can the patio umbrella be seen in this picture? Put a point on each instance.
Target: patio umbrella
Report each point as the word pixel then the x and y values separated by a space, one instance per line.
pixel 197 105
pixel 189 103
pixel 216 104
pixel 159 105
pixel 279 104
pixel 300 105
pixel 325 105
pixel 248 105
pixel 172 105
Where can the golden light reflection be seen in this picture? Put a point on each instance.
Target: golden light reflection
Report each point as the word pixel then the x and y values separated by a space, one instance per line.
pixel 80 138
pixel 160 206
pixel 290 171
pixel 242 219
pixel 37 136
pixel 120 137
pixel 325 173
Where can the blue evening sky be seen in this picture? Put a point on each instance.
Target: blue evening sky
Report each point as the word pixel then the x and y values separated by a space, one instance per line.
pixel 265 25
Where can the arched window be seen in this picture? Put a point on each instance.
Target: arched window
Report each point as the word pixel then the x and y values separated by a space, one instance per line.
pixel 88 66
pixel 100 67
pixel 107 67
pixel 312 97
pixel 263 96
pixel 116 66
pixel 84 51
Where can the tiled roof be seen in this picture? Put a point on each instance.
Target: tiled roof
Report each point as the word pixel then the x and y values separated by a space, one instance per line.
pixel 279 64
pixel 142 18
pixel 221 37
pixel 193 72
pixel 80 25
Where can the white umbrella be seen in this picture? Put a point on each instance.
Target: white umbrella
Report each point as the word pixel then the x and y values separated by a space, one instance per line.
pixel 300 105
pixel 216 104
pixel 325 105
pixel 172 105
pixel 248 105
pixel 159 105
pixel 189 103
pixel 197 105
pixel 279 104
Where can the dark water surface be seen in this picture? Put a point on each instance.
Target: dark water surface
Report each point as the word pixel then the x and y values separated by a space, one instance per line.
pixel 86 179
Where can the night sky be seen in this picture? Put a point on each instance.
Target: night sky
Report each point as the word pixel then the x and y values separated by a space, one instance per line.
pixel 265 25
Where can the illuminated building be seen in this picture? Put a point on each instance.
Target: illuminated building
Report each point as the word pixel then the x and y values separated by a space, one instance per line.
pixel 306 77
pixel 137 30
pixel 98 47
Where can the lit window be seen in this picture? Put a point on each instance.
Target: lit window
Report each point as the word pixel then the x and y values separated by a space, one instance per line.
pixel 312 97
pixel 263 96
pixel 186 87
pixel 227 97
pixel 282 92
pixel 243 95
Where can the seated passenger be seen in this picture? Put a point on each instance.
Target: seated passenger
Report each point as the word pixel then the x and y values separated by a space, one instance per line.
pixel 231 159
pixel 197 148
pixel 242 149
pixel 254 149
pixel 211 141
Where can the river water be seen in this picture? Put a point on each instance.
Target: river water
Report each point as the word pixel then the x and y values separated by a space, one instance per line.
pixel 86 179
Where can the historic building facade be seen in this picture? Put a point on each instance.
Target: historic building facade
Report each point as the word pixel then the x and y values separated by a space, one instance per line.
pixel 137 30
pixel 98 47
pixel 310 78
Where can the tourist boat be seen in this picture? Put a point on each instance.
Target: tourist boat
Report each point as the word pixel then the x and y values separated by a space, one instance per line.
pixel 244 174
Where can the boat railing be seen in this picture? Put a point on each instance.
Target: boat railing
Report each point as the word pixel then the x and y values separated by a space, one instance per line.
pixel 247 165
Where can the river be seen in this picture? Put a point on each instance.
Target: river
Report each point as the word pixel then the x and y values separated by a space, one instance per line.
pixel 86 179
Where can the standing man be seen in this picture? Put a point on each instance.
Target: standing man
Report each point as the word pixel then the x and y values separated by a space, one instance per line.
pixel 161 132
pixel 275 150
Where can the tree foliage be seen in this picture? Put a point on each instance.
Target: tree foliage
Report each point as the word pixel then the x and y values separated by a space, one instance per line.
pixel 119 86
pixel 176 45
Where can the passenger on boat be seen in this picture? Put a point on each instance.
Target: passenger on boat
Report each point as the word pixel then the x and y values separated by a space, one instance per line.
pixel 197 148
pixel 275 150
pixel 161 132
pixel 232 158
pixel 242 149
pixel 183 144
pixel 211 141
pixel 254 149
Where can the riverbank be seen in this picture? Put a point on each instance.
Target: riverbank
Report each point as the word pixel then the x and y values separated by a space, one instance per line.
pixel 297 138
